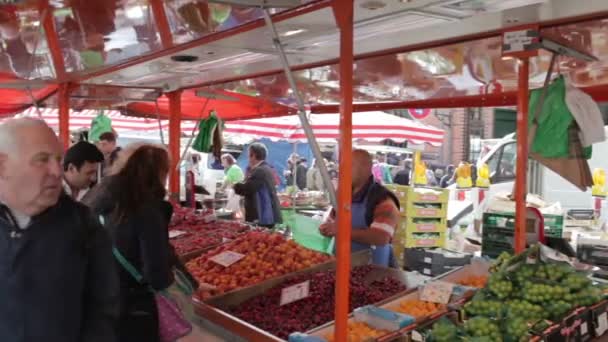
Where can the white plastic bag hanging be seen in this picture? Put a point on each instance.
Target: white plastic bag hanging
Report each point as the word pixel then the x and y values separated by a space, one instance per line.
pixel 587 115
pixel 234 201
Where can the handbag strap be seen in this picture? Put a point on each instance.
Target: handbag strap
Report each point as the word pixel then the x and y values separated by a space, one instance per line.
pixel 122 260
pixel 127 265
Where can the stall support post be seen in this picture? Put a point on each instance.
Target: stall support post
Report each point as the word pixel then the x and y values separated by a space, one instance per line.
pixel 316 150
pixel 160 18
pixel 343 11
pixel 48 24
pixel 64 114
pixel 175 109
pixel 522 155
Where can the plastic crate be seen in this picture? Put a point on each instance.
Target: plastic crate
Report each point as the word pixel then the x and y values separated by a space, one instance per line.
pixel 407 194
pixel 493 249
pixel 433 210
pixel 305 231
pixel 412 241
pixel 411 224
pixel 434 261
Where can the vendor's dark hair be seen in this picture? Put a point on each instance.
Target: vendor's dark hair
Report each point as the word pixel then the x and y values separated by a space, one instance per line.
pixel 139 181
pixel 259 150
pixel 108 136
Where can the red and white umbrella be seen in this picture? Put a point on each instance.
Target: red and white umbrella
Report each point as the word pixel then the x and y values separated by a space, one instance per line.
pixel 120 123
pixel 367 126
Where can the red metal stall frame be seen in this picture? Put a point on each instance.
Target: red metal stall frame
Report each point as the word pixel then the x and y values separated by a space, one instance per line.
pixel 522 154
pixel 344 13
pixel 48 24
pixel 175 108
pixel 175 104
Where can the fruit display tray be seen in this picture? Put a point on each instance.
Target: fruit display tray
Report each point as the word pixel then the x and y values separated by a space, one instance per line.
pixel 216 309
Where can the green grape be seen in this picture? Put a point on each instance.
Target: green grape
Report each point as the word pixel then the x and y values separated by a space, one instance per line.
pixel 443 332
pixel 500 286
pixel 517 328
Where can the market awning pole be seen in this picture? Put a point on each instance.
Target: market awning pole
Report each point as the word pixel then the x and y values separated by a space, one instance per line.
pixel 343 11
pixel 301 109
pixel 64 114
pixel 48 24
pixel 160 124
pixel 522 155
pixel 175 109
pixel 160 18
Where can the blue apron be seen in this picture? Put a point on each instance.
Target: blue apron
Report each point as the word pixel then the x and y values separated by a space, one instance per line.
pixel 381 255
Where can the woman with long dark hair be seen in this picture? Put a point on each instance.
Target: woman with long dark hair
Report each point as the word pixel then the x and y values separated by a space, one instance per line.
pixel 131 202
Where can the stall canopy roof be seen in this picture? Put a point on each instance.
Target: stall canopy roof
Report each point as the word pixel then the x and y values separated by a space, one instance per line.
pixel 406 51
pixel 228 106
pixel 367 126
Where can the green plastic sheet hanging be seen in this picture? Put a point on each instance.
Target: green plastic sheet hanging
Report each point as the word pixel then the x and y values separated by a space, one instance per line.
pixel 206 128
pixel 554 119
pixel 100 125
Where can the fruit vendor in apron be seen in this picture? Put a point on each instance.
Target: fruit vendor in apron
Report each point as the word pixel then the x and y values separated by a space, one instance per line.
pixel 375 213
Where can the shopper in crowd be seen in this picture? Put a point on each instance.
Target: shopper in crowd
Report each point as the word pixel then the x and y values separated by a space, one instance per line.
pixel 131 202
pixel 234 174
pixel 438 174
pixel 314 180
pixel 403 176
pixel 381 170
pixel 107 146
pixel 448 178
pixel 430 177
pixel 375 213
pixel 261 201
pixel 80 165
pixel 57 279
pixel 295 173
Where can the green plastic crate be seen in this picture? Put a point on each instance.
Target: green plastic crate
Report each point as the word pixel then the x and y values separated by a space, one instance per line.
pixel 305 231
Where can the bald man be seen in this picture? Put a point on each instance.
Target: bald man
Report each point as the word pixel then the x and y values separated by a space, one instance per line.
pixel 57 277
pixel 375 213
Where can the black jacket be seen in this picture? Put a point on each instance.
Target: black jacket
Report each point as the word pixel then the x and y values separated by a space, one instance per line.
pixel 57 281
pixel 257 179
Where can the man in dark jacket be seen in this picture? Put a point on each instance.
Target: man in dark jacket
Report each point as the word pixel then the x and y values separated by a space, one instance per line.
pixel 261 201
pixel 57 276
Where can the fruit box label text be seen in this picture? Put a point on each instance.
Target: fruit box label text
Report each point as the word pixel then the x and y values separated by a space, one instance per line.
pixel 295 292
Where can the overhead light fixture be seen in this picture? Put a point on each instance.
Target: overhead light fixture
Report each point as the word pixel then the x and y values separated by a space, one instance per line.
pixel 372 5
pixel 293 32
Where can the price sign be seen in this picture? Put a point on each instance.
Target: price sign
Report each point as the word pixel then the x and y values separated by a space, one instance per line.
pixel 437 292
pixel 520 42
pixel 295 292
pixel 227 258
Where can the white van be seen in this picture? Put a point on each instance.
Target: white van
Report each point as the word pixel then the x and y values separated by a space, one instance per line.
pixel 501 160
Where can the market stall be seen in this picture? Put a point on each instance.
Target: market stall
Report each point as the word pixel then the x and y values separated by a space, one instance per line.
pixel 462 65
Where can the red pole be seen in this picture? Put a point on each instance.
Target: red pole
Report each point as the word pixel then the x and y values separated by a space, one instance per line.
pixel 522 155
pixel 175 109
pixel 48 23
pixel 160 17
pixel 343 10
pixel 64 114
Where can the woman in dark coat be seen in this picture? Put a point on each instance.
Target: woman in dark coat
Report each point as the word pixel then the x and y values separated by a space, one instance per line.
pixel 137 217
